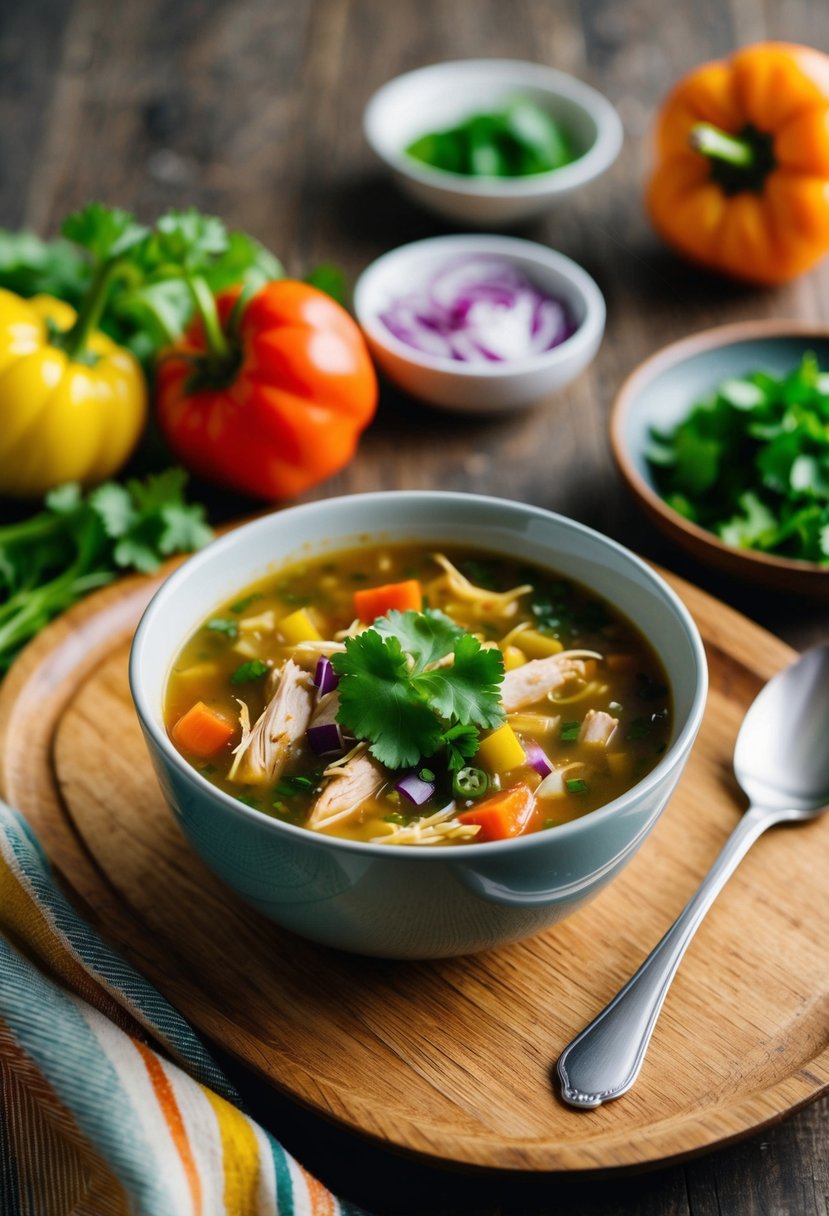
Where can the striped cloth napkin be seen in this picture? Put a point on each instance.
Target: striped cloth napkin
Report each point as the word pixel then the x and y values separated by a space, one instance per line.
pixel 109 1103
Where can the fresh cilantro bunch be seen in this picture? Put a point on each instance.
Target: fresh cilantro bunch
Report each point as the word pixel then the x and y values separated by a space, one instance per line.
pixel 395 692
pixel 752 463
pixel 148 303
pixel 79 542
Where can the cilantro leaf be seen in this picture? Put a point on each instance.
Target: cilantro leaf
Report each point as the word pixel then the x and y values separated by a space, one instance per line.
pixel 221 624
pixel 462 743
pixel 189 239
pixel 391 696
pixel 378 701
pixel 107 232
pixel 254 669
pixel 468 690
pixel 426 636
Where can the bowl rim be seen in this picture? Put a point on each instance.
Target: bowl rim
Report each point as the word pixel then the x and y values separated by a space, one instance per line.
pixel 595 160
pixel 670 356
pixel 514 249
pixel 214 552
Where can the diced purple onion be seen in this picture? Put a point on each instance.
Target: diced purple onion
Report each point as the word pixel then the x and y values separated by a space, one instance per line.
pixel 537 759
pixel 479 309
pixel 326 739
pixel 325 677
pixel 414 788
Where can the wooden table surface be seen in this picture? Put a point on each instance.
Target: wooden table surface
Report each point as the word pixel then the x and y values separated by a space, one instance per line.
pixel 251 109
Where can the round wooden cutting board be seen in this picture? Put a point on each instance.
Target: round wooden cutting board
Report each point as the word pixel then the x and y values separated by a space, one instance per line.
pixel 452 1061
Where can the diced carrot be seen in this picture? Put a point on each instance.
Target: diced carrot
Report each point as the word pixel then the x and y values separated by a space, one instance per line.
pixel 202 730
pixel 371 602
pixel 503 815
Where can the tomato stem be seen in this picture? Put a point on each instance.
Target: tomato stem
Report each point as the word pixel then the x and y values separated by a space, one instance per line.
pixel 214 335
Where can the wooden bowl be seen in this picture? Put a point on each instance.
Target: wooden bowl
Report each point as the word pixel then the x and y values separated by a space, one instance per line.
pixel 662 391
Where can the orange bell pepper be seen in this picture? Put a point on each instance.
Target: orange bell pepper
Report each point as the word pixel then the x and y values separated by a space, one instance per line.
pixel 741 183
pixel 269 402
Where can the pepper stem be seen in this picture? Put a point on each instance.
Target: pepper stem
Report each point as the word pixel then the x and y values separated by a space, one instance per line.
pixel 719 145
pixel 74 340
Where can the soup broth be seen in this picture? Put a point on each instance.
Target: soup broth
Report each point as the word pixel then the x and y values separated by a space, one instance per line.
pixel 337 696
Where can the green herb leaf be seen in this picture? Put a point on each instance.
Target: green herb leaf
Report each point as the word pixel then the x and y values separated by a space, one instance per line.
pixel 221 624
pixel 569 731
pixel 407 712
pixel 426 636
pixel 254 669
pixel 469 689
pixel 107 232
pixel 576 785
pixel 379 703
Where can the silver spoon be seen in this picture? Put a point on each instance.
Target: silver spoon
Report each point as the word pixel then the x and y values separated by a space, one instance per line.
pixel 781 761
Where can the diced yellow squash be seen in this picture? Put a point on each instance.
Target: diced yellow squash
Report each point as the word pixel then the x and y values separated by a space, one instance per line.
pixel 513 657
pixel 620 763
pixel 538 645
pixel 501 751
pixel 298 627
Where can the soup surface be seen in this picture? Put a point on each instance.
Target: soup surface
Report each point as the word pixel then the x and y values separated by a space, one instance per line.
pixel 406 696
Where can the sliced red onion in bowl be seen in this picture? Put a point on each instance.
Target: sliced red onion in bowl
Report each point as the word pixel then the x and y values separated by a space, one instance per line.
pixel 413 787
pixel 479 309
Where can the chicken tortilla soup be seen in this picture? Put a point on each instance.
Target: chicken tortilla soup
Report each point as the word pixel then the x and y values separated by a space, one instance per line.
pixel 407 696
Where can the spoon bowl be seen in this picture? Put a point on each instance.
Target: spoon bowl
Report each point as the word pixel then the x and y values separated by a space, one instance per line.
pixel 781 762
pixel 781 758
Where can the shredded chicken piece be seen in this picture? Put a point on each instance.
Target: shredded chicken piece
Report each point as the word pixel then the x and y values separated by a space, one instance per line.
pixel 598 728
pixel 434 829
pixel 497 603
pixel 531 682
pixel 350 781
pixel 265 622
pixel 326 709
pixel 305 652
pixel 261 755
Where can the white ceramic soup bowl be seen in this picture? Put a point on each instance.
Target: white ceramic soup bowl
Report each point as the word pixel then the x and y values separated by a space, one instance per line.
pixel 409 902
pixel 480 388
pixel 439 96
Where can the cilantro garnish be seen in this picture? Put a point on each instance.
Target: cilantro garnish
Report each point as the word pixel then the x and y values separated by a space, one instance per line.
pixel 254 669
pixel 751 463
pixel 392 694
pixel 569 731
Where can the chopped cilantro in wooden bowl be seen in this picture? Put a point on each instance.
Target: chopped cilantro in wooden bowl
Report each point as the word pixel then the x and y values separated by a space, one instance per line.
pixel 723 438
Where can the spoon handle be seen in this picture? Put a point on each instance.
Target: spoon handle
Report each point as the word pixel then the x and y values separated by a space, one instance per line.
pixel 604 1060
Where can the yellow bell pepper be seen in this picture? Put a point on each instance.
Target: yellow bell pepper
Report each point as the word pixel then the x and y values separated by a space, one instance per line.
pixel 67 414
pixel 501 751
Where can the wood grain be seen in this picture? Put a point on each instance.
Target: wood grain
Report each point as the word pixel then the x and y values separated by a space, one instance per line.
pixel 406 1053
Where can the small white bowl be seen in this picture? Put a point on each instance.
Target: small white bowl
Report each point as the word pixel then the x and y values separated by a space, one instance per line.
pixel 474 387
pixel 436 97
